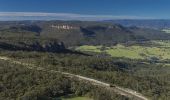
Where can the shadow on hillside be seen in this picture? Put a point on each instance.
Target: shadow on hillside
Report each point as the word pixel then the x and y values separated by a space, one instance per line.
pixel 50 47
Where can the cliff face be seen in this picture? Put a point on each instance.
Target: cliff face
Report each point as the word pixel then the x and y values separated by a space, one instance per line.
pixel 70 27
pixel 64 27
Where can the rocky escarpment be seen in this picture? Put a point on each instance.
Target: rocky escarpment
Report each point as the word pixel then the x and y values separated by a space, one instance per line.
pixel 64 27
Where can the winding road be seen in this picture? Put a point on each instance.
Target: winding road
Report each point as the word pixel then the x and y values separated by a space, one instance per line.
pixel 119 90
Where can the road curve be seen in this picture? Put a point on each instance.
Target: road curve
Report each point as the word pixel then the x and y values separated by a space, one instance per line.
pixel 122 91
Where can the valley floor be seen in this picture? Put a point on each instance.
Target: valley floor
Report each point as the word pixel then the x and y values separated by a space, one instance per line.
pixel 158 50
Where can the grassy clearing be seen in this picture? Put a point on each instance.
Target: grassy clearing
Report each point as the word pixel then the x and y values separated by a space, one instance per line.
pixel 162 43
pixel 133 52
pixel 90 48
pixel 166 30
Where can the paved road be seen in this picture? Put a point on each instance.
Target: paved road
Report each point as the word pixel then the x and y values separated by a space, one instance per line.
pixel 122 91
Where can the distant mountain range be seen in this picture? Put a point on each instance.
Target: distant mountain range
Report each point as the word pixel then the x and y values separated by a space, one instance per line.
pixel 156 24
pixel 80 32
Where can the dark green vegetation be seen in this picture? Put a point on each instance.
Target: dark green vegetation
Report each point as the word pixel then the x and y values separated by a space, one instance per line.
pixel 149 79
pixel 74 33
pixel 45 44
pixel 19 83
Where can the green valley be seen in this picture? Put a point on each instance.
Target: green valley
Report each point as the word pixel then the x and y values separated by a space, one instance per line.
pixel 158 49
pixel 166 30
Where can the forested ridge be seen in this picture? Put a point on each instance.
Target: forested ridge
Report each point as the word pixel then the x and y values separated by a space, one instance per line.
pixel 19 83
pixel 74 33
pixel 148 79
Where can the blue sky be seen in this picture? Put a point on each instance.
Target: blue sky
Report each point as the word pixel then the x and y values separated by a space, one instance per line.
pixel 85 9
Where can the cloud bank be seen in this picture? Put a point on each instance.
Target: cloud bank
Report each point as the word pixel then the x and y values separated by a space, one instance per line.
pixel 60 16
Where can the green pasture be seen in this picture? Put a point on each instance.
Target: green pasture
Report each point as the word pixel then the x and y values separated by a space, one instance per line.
pixel 166 30
pixel 162 51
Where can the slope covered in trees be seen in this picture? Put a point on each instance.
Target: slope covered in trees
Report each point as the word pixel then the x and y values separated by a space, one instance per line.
pixel 19 83
pixel 79 33
pixel 147 78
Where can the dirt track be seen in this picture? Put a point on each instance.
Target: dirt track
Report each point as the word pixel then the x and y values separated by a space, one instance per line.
pixel 122 91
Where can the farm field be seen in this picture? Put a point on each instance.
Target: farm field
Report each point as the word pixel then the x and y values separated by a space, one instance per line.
pixel 159 50
pixel 166 30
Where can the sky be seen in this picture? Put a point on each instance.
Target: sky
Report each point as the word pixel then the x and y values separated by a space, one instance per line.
pixel 84 9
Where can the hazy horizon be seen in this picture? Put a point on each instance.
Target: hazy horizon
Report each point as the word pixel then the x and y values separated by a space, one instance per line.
pixel 83 10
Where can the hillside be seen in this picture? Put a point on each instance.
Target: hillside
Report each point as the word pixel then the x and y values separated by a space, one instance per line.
pixel 152 23
pixel 79 32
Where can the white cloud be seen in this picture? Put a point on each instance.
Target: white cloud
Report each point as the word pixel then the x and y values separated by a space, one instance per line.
pixel 61 16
